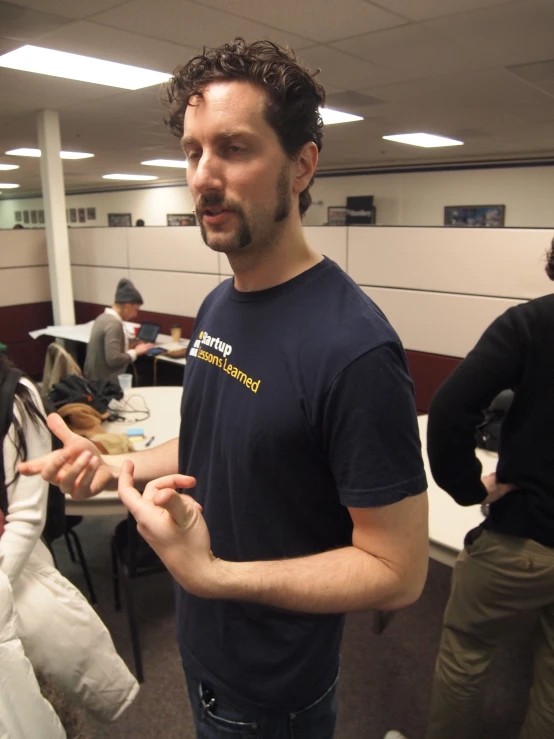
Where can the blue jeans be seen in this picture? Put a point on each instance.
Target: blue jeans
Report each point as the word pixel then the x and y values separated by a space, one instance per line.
pixel 216 718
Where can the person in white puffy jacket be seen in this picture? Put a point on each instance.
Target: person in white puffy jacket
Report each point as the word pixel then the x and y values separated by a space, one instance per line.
pixel 24 712
pixel 61 634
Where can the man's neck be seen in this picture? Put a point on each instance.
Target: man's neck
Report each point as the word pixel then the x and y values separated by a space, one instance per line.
pixel 287 258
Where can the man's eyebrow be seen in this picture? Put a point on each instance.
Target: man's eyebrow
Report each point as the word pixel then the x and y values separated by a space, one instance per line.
pixel 222 136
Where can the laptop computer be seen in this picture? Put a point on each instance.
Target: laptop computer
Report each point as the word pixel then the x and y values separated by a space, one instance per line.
pixel 148 332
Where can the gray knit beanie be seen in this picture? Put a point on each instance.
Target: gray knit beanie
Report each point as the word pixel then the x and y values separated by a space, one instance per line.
pixel 126 292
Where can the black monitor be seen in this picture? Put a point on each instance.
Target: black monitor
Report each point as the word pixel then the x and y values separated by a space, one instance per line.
pixel 148 332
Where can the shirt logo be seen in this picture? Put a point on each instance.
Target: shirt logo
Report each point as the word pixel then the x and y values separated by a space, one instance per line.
pixel 213 350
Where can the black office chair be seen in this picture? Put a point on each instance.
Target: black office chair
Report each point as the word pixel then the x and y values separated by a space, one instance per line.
pixel 137 559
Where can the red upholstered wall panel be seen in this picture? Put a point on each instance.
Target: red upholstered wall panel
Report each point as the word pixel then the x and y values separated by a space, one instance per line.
pixel 428 372
pixel 15 323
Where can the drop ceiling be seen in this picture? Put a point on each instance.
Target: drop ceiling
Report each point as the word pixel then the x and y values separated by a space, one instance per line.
pixel 479 70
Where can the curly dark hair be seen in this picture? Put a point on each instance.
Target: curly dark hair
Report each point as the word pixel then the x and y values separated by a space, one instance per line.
pixel 549 268
pixel 293 96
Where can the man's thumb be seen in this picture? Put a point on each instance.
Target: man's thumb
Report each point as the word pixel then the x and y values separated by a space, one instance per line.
pixel 57 426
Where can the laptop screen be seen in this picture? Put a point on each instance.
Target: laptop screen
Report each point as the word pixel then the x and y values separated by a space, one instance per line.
pixel 148 331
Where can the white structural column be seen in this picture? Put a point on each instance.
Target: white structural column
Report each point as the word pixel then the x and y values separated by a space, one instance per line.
pixel 53 192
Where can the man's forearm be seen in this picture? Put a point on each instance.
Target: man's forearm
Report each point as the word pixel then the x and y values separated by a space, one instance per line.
pixel 149 463
pixel 337 581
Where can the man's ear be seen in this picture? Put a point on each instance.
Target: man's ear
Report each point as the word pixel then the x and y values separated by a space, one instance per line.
pixel 305 165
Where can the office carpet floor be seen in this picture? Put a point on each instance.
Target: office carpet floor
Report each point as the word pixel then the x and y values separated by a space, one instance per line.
pixel 385 680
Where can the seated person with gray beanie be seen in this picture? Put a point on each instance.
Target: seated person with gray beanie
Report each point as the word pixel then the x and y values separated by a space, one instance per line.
pixel 108 352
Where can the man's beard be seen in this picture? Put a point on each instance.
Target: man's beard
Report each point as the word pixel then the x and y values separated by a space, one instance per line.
pixel 244 234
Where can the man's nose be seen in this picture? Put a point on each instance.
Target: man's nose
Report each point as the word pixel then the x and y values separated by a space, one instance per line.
pixel 207 175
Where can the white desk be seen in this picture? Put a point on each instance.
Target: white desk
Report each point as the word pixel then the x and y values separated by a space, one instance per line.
pixel 448 521
pixel 81 332
pixel 164 404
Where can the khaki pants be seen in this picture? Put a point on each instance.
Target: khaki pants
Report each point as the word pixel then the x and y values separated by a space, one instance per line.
pixel 495 579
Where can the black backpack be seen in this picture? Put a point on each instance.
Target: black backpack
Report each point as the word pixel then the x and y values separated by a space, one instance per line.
pixel 75 389
pixel 55 512
pixel 487 432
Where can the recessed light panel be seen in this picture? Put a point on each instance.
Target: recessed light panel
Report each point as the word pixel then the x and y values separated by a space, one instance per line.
pixel 330 116
pixel 128 177
pixel 82 68
pixel 181 163
pixel 426 140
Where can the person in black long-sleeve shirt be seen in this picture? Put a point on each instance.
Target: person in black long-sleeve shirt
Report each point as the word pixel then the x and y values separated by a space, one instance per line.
pixel 507 565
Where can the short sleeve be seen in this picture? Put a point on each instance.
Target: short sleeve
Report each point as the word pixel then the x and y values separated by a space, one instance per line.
pixel 371 433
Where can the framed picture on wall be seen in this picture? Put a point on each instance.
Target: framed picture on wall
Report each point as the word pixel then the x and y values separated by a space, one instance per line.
pixel 91 214
pixel 73 215
pixel 336 215
pixel 120 219
pixel 34 216
pixel 17 216
pixel 25 216
pixel 82 217
pixel 475 216
pixel 41 217
pixel 181 219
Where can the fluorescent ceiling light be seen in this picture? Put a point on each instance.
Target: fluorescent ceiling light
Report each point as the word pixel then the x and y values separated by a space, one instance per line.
pixel 427 140
pixel 9 166
pixel 8 185
pixel 330 116
pixel 182 163
pixel 129 177
pixel 36 153
pixel 82 68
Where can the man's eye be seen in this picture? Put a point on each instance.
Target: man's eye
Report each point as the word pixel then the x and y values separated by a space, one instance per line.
pixel 193 156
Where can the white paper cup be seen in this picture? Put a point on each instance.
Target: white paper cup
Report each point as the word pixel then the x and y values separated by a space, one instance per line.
pixel 125 381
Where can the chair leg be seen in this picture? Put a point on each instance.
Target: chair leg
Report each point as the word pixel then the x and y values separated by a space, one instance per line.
pixel 133 626
pixel 84 566
pixel 69 546
pixel 115 578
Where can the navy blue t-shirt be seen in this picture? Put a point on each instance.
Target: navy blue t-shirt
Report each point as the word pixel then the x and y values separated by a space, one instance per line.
pixel 297 403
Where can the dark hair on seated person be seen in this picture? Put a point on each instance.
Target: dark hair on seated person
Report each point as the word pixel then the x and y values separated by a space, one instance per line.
pixel 293 96
pixel 23 401
pixel 549 269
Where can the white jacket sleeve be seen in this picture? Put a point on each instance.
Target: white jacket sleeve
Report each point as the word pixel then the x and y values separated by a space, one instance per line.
pixel 27 496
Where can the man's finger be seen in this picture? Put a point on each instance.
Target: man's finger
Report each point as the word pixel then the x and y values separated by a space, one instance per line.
pixel 181 508
pixel 168 481
pixel 128 494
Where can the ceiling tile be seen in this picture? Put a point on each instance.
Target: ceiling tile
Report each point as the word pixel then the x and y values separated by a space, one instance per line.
pixel 69 8
pixel 320 20
pixel 115 45
pixel 425 9
pixel 23 24
pixel 346 71
pixel 413 50
pixel 189 24
pixel 517 33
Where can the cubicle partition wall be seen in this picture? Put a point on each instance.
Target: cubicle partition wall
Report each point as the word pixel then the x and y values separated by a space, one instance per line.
pixel 439 287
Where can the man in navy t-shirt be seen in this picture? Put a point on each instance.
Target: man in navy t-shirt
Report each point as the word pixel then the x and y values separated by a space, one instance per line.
pixel 299 443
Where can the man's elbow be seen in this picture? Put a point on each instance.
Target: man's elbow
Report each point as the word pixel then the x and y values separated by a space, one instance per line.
pixel 409 584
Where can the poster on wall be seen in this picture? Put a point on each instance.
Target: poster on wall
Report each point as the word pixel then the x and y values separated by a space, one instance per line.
pixel 120 219
pixel 360 210
pixel 475 216
pixel 34 216
pixel 181 219
pixel 73 215
pixel 41 217
pixel 17 216
pixel 25 216
pixel 82 218
pixel 91 214
pixel 336 215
